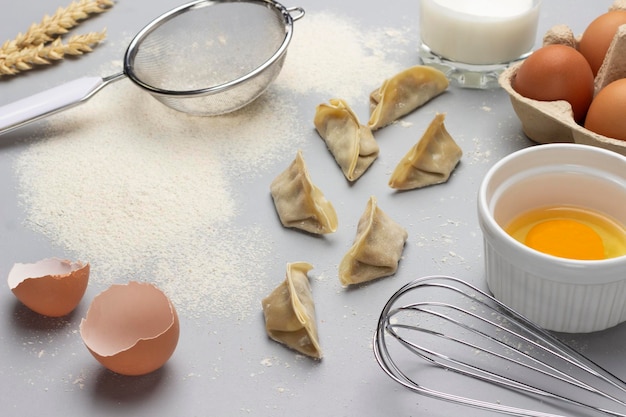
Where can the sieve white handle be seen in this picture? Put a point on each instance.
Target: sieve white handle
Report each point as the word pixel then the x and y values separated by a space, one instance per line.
pixel 45 103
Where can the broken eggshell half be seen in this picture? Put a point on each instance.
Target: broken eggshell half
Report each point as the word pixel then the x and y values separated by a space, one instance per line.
pixel 131 329
pixel 51 287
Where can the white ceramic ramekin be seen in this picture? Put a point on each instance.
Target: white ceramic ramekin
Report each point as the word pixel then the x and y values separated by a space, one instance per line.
pixel 558 294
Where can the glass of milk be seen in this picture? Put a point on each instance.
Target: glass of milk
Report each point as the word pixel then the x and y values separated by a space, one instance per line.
pixel 473 41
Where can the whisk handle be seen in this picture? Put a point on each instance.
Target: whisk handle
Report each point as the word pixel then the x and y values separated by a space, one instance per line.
pixel 53 100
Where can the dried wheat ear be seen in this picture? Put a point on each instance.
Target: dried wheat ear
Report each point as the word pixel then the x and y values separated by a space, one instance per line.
pixel 42 43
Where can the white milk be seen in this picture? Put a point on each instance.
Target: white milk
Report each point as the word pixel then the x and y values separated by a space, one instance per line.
pixel 479 31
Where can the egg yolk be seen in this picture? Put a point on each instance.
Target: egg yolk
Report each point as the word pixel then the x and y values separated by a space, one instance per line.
pixel 566 238
pixel 569 232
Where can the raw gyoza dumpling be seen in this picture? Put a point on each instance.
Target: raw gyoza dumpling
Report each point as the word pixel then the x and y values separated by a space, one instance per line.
pixel 403 93
pixel 430 161
pixel 351 143
pixel 290 312
pixel 377 247
pixel 299 203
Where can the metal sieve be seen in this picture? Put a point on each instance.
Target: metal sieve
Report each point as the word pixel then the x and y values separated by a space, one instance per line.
pixel 206 58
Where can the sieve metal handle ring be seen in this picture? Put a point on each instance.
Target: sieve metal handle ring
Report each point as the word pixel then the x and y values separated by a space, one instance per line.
pixel 292 10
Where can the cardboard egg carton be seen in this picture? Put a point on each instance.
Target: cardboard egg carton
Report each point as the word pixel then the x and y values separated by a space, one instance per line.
pixel 553 121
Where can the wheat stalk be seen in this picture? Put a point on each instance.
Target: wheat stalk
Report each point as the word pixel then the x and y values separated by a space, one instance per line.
pixel 57 24
pixel 40 44
pixel 43 54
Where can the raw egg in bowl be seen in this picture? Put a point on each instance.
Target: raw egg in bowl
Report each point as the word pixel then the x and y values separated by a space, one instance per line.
pixel 131 329
pixel 554 232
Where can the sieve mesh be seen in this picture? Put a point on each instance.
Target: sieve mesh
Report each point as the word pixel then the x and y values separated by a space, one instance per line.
pixel 211 57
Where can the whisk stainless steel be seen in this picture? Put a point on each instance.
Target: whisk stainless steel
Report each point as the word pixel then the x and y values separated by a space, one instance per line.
pixel 444 338
pixel 206 57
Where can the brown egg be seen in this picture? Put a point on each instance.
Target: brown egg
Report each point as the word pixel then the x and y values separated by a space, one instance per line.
pixel 607 113
pixel 131 329
pixel 597 38
pixel 557 72
pixel 52 287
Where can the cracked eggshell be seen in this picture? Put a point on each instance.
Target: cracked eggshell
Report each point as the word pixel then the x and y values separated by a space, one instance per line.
pixel 131 329
pixel 52 287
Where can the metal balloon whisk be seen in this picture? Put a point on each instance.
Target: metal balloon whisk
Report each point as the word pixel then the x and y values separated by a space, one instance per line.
pixel 444 338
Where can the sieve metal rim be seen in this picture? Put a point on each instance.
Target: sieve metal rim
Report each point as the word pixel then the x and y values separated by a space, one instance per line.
pixel 134 45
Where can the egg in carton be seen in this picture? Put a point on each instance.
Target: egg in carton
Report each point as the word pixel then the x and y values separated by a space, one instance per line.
pixel 553 121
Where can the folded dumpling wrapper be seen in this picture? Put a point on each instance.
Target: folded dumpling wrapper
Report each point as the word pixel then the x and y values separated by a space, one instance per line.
pixel 351 143
pixel 299 203
pixel 377 248
pixel 430 161
pixel 290 312
pixel 403 93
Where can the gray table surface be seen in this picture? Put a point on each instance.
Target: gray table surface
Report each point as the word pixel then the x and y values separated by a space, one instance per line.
pixel 221 366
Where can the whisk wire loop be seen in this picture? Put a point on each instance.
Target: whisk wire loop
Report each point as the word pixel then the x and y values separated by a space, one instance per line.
pixel 456 327
pixel 469 369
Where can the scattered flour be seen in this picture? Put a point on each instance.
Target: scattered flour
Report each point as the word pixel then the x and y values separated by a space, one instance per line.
pixel 152 200
pixel 146 193
pixel 336 56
